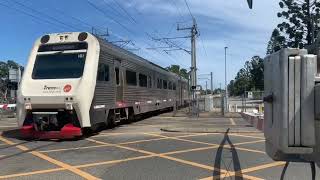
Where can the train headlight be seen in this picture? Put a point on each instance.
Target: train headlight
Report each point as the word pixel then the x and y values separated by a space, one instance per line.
pixel 69 106
pixel 45 39
pixel 82 36
pixel 28 106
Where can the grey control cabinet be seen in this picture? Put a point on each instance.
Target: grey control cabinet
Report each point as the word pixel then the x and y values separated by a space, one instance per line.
pixel 289 124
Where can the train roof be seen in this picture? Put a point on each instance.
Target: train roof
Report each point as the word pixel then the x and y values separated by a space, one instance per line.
pixel 133 56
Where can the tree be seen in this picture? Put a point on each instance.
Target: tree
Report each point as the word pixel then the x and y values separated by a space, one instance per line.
pixel 4 77
pixel 256 73
pixel 180 71
pixel 5 66
pixel 299 24
pixel 276 42
pixel 250 77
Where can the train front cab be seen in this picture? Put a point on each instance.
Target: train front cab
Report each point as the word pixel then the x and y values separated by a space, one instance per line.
pixel 50 102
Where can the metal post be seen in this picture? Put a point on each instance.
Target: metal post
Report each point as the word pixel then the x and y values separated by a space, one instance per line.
pixel 206 87
pixel 211 83
pixel 225 79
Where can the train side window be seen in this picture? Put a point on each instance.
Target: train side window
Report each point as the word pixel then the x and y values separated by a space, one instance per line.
pixel 143 80
pixel 103 72
pixel 165 84
pixel 116 70
pixel 170 85
pixel 131 78
pixel 159 83
pixel 149 82
pixel 174 87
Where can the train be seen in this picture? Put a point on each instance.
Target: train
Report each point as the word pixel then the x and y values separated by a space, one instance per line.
pixel 75 81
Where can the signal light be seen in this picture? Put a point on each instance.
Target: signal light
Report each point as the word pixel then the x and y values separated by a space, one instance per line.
pixel 45 39
pixel 82 36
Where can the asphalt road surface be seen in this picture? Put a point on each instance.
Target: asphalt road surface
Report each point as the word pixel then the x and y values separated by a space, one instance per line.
pixel 141 150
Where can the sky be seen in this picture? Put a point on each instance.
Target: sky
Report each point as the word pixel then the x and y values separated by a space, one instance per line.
pixel 221 23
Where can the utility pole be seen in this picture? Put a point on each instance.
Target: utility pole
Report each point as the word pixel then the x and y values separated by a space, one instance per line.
pixel 193 57
pixel 194 33
pixel 211 83
pixel 225 80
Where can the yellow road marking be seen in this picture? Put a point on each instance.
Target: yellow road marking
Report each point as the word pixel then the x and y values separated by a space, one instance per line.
pixel 51 160
pixel 163 155
pixel 124 143
pixel 219 177
pixel 69 149
pixel 252 169
pixel 214 145
pixel 157 155
pixel 241 135
pixel 249 150
pixel 114 161
pixel 176 138
pixel 232 121
pixel 150 154
pixel 265 166
pixel 31 173
pixel 190 150
pixel 249 142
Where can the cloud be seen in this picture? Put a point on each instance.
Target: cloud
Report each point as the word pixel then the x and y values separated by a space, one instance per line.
pixel 221 23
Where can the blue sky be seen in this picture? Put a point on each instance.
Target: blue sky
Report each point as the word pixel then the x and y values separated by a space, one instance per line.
pixel 221 23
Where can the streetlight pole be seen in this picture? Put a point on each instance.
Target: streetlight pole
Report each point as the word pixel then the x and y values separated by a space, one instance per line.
pixel 225 79
pixel 211 83
pixel 206 87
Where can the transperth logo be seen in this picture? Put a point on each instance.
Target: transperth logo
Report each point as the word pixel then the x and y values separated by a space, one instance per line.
pixel 67 88
pixel 50 88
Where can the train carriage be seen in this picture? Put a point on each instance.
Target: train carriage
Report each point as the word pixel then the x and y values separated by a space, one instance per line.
pixel 75 81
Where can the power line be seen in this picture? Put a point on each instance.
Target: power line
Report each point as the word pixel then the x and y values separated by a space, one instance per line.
pixel 151 37
pixel 115 10
pixel 43 14
pixel 101 11
pixel 201 41
pixel 125 11
pixel 188 8
pixel 29 14
pixel 173 3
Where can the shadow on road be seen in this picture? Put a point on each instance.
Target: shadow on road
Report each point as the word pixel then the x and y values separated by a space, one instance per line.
pixel 219 159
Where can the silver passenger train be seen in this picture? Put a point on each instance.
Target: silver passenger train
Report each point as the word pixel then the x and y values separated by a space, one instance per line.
pixel 75 81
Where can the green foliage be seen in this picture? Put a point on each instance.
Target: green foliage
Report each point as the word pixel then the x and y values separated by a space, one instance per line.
pixel 276 42
pixel 4 76
pixel 5 66
pixel 180 71
pixel 299 25
pixel 248 78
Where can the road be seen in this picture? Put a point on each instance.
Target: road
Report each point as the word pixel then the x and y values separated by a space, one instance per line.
pixel 142 150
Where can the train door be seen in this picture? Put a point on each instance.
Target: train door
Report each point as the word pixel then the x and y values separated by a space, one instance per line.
pixel 119 80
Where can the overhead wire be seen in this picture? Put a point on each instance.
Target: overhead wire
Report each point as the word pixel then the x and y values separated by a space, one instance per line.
pixel 201 41
pixel 124 10
pixel 43 14
pixel 29 14
pixel 152 37
pixel 189 9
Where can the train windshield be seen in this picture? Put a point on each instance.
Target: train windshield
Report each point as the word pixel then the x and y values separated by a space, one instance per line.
pixel 59 65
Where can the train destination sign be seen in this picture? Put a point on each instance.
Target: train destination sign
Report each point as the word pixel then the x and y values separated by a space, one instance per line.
pixel 63 47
